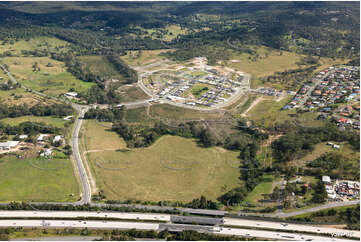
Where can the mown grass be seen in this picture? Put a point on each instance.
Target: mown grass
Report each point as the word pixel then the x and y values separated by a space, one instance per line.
pixel 54 80
pixel 199 89
pixel 20 181
pixel 147 175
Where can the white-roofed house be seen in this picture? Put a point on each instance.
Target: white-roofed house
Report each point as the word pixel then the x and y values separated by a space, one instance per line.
pixel 8 145
pixel 41 137
pixel 57 139
pixel 326 179
pixel 23 136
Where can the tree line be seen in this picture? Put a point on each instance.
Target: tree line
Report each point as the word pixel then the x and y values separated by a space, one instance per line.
pixel 128 73
pixel 186 235
pixel 30 128
pixel 57 110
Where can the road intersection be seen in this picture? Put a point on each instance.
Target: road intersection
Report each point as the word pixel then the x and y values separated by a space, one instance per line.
pixel 86 199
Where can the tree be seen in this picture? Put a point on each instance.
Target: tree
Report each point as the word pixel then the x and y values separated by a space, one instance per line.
pixel 234 196
pixel 207 138
pixel 276 193
pixel 320 194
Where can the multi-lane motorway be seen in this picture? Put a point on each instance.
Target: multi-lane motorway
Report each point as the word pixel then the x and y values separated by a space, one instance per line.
pixel 173 221
pixel 161 226
pixel 259 226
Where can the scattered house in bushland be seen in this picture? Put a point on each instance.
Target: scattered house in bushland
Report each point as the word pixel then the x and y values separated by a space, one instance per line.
pixel 23 136
pixel 41 137
pixel 46 153
pixel 326 179
pixel 71 94
pixel 8 145
pixel 57 139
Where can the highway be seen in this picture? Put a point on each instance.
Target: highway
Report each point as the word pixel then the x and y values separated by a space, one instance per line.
pixel 256 224
pixel 84 214
pixel 32 223
pixel 276 235
pixel 160 227
pixel 86 199
pixel 287 226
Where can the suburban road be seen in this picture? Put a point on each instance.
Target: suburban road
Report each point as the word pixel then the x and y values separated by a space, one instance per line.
pixel 86 199
pixel 308 93
pixel 86 191
pixel 160 227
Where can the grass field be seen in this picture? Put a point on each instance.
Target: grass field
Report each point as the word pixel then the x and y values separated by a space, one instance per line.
pixel 265 187
pixel 173 31
pixel 4 78
pixel 57 122
pixel 137 115
pixel 100 65
pixel 20 96
pixel 268 111
pixel 199 89
pixel 38 43
pixel 53 80
pixel 173 168
pixel 177 113
pixel 274 62
pixel 323 219
pixel 250 99
pixel 99 137
pixel 131 93
pixel 20 181
pixel 318 150
pixel 265 66
pixel 144 57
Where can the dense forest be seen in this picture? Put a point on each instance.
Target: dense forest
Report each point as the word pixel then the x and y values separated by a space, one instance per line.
pixel 323 24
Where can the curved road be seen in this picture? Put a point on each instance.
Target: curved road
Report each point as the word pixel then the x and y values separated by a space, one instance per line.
pixel 86 193
pixel 86 190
